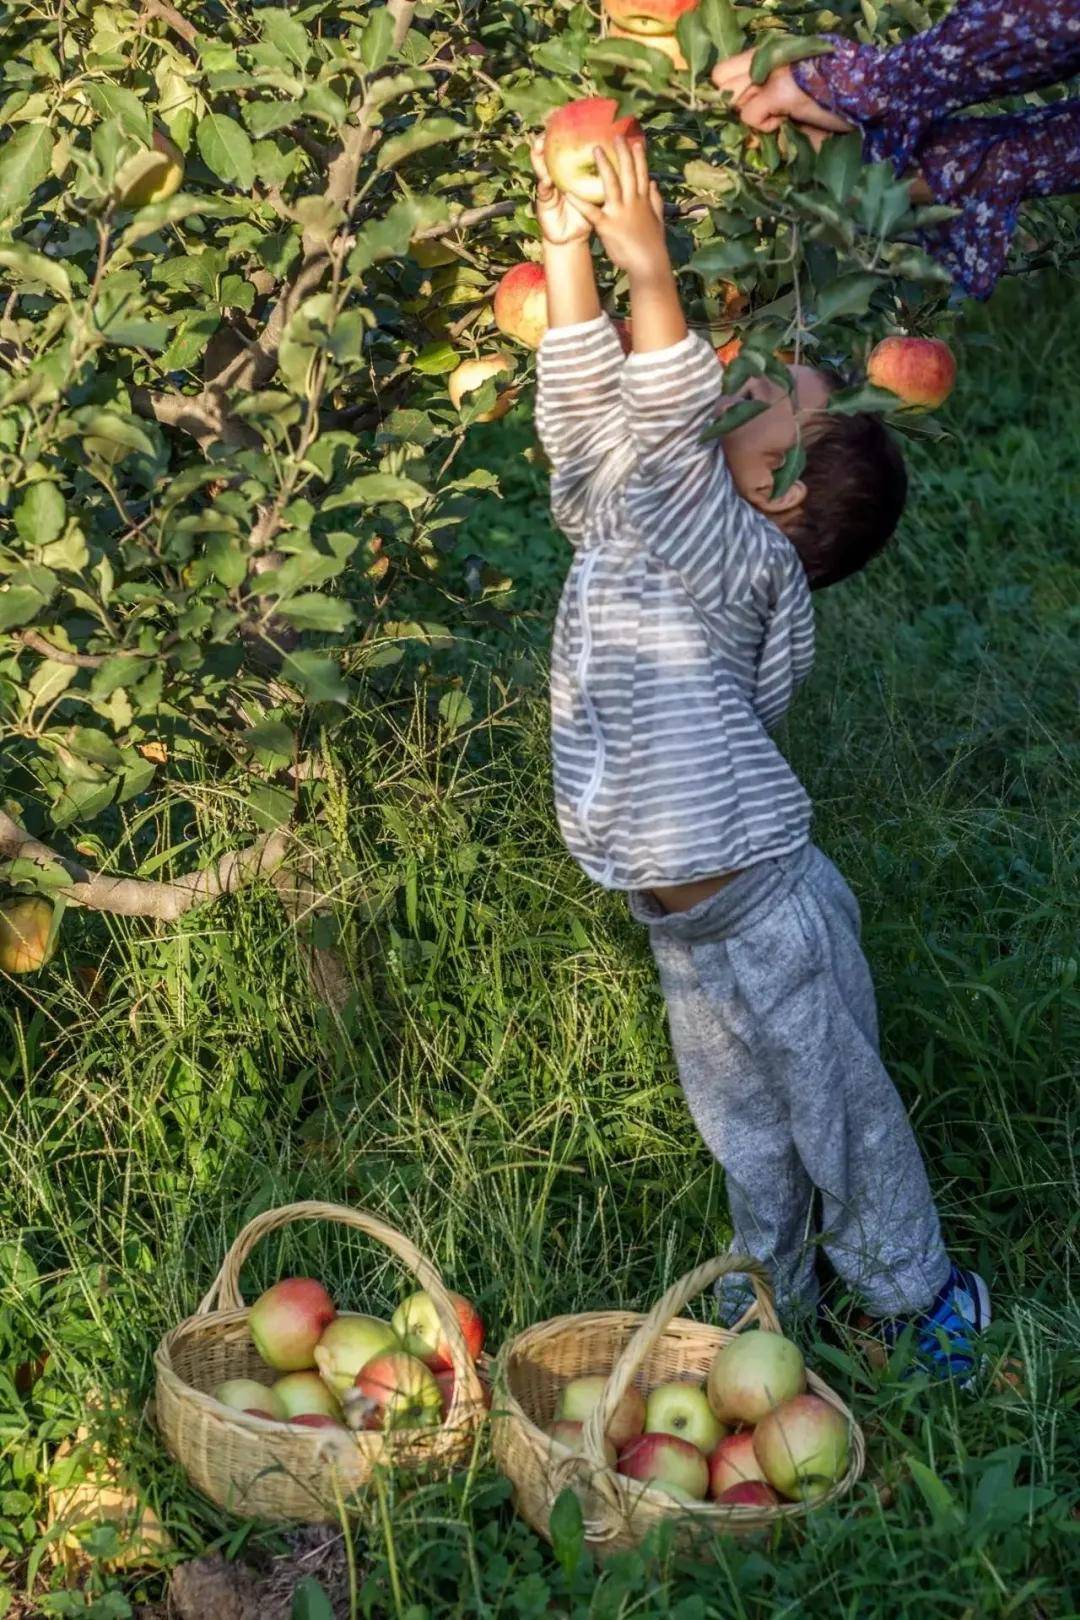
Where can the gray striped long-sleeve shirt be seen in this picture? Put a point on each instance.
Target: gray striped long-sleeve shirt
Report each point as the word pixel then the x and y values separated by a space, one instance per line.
pixel 684 628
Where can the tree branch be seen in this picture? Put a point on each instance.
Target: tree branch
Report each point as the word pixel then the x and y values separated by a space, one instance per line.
pixel 172 18
pixel 467 217
pixel 59 655
pixel 136 897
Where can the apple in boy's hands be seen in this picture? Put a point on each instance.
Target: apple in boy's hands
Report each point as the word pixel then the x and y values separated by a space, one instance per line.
pixel 416 1323
pixel 803 1447
pixel 752 1373
pixel 666 1461
pixel 571 136
pixel 568 1434
pixel 248 1395
pixel 396 1391
pixel 581 1395
pixel 520 304
pixel 287 1322
pixel 682 1408
pixel 347 1344
pixel 920 371
pixel 734 1462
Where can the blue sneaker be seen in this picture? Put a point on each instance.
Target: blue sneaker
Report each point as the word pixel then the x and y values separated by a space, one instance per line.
pixel 945 1334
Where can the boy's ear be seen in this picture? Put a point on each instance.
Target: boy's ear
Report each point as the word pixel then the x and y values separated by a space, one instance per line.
pixel 789 501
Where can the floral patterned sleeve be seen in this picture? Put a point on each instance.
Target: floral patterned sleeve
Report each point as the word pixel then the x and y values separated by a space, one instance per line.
pixel 901 98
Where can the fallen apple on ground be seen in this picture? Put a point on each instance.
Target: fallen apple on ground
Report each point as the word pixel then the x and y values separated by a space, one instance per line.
pixel 572 134
pixel 25 924
pixel 580 1396
pixel 803 1447
pixel 248 1395
pixel 920 371
pixel 682 1408
pixel 347 1344
pixel 667 1462
pixel 569 1433
pixel 752 1373
pixel 396 1391
pixel 416 1323
pixel 520 304
pixel 734 1462
pixel 472 374
pixel 287 1322
pixel 304 1394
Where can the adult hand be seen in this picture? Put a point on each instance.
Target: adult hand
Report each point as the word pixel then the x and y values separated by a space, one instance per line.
pixel 765 106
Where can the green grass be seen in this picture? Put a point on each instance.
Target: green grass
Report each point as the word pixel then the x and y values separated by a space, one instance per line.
pixel 506 1095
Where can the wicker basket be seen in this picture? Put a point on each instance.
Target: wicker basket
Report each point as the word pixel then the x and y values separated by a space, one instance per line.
pixel 645 1351
pixel 265 1469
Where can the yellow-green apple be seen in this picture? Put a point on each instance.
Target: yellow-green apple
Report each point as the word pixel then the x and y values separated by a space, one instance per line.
pixel 921 371
pixel 648 16
pixel 247 1395
pixel 748 1493
pixel 24 934
pixel 667 1462
pixel 396 1391
pixel 151 175
pixel 351 1340
pixel 734 1462
pixel 304 1393
pixel 572 134
pixel 416 1323
pixel 471 374
pixel 683 1409
pixel 287 1322
pixel 568 1434
pixel 656 42
pixel 752 1373
pixel 802 1447
pixel 580 1395
pixel 520 304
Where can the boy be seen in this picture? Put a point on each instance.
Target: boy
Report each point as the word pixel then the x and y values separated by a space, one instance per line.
pixel 684 629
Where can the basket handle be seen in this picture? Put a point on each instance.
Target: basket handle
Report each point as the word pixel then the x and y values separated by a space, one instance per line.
pixel 224 1293
pixel 646 1336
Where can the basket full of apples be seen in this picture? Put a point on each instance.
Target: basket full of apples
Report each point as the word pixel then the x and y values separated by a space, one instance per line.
pixel 281 1410
pixel 660 1417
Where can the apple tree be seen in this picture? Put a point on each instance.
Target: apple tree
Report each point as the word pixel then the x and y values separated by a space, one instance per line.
pixel 242 247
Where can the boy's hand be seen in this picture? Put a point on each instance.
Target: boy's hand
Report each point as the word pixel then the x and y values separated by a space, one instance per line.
pixel 559 220
pixel 631 221
pixel 766 106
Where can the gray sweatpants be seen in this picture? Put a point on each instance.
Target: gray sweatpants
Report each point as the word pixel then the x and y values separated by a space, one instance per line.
pixel 774 1026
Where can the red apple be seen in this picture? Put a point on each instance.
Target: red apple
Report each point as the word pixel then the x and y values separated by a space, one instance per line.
pixel 580 1396
pixel 572 134
pixel 682 1408
pixel 347 1344
pixel 727 352
pixel 416 1323
pixel 803 1447
pixel 520 304
pixel 472 373
pixel 752 1373
pixel 304 1394
pixel 287 1322
pixel 666 1461
pixel 446 1381
pixel 569 1433
pixel 749 1493
pixel 734 1462
pixel 318 1420
pixel 648 16
pixel 656 42
pixel 396 1391
pixel 248 1395
pixel 921 371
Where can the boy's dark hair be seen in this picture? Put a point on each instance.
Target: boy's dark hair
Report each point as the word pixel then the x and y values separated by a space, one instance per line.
pixel 856 487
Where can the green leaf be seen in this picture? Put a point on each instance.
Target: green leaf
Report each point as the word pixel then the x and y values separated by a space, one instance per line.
pixel 850 295
pixel 723 26
pixel 317 611
pixel 41 514
pixel 456 710
pixel 270 807
pixel 317 676
pixel 376 489
pixel 287 33
pixel 35 268
pixel 567 1529
pixel 418 137
pixel 839 164
pixel 226 149
pixel 118 432
pixel 744 410
pixel 849 401
pixel 377 40
pixel 155 216
pixel 436 359
pixel 24 163
pixel 695 42
pixel 395 85
pixel 273 742
pixel 718 259
pixel 789 471
pixel 310 1601
pixel 936 1494
pixel 780 50
pixel 18 605
pixel 131 113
